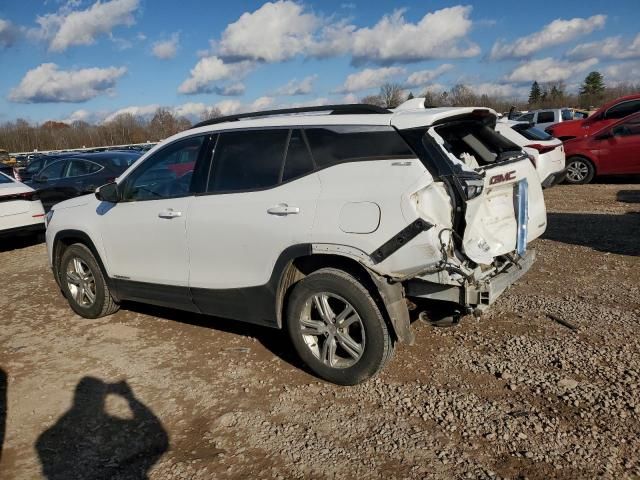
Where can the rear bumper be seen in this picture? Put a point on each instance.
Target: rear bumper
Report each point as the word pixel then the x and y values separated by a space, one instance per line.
pixel 554 179
pixel 478 296
pixel 23 230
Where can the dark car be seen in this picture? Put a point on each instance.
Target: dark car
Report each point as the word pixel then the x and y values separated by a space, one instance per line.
pixel 39 162
pixel 77 175
pixel 6 169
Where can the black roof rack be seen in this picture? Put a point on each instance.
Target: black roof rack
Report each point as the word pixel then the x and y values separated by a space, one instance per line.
pixel 348 109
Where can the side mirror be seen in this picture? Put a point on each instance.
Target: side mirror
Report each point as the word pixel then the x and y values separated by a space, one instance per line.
pixel 108 193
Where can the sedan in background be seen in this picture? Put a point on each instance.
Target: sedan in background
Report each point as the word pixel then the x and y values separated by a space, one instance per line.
pixel 546 152
pixel 78 175
pixel 613 150
pixel 20 209
pixel 606 115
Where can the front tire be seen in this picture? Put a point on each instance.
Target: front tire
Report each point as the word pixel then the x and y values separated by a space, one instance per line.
pixel 579 171
pixel 83 283
pixel 337 328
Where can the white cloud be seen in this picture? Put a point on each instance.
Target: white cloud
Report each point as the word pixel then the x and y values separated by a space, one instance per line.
pixel 439 34
pixel 145 111
pixel 422 77
pixel 611 47
pixel 282 30
pixel 627 72
pixel 83 116
pixel 504 90
pixel 209 70
pixel 230 107
pixel 47 83
pixel 369 78
pixel 9 33
pixel 275 32
pixel 69 27
pixel 166 49
pixel 549 70
pixel 555 33
pixel 295 87
pixel 233 90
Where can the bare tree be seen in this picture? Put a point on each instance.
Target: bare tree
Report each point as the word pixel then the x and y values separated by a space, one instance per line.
pixel 391 95
pixel 373 100
pixel 209 113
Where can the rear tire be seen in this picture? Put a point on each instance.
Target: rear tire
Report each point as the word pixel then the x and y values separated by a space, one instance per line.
pixel 579 171
pixel 337 328
pixel 83 283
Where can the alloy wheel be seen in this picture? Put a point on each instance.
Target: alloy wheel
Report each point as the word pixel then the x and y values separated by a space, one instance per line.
pixel 577 171
pixel 332 330
pixel 81 282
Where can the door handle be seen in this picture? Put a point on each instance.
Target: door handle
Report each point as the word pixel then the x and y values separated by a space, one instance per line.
pixel 169 213
pixel 283 209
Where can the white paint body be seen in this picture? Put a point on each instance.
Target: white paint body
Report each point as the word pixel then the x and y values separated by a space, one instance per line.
pixel 230 240
pixel 546 163
pixel 16 214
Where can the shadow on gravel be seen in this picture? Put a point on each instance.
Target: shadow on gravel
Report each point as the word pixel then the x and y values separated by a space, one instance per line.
pixel 3 407
pixel 606 233
pixel 87 442
pixel 617 179
pixel 628 196
pixel 276 341
pixel 20 241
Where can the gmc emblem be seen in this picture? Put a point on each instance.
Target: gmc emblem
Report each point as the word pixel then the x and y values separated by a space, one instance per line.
pixel 503 177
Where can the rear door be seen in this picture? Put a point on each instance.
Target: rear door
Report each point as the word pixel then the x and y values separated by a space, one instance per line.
pixel 260 200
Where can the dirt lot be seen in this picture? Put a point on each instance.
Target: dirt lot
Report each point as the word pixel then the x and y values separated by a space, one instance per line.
pixel 516 394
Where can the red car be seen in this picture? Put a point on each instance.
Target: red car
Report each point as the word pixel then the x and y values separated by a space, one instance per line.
pixel 605 115
pixel 613 150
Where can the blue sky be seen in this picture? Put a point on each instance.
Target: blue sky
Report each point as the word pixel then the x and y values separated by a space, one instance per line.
pixel 88 60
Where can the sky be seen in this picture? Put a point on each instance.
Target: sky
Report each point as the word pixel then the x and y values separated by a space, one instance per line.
pixel 90 60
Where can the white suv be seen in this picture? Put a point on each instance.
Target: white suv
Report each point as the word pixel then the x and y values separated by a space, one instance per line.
pixel 327 221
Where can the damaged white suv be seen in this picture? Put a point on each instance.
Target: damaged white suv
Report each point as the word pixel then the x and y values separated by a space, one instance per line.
pixel 326 221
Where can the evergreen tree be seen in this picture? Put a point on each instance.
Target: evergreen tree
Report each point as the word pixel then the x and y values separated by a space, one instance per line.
pixel 410 96
pixel 593 84
pixel 535 95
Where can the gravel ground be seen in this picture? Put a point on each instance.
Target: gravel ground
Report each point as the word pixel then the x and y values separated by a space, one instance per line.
pixel 546 384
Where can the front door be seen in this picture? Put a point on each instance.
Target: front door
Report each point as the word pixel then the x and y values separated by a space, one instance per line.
pixel 145 234
pixel 623 148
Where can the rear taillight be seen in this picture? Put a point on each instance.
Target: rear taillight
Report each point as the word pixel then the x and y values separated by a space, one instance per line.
pixel 542 148
pixel 532 158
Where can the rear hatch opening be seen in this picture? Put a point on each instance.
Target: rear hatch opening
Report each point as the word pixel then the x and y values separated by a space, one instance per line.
pixel 506 210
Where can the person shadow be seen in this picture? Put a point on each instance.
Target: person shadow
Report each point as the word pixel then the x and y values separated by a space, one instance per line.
pixel 89 443
pixel 3 407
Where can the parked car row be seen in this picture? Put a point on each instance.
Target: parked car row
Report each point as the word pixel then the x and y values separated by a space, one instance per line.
pixel 20 208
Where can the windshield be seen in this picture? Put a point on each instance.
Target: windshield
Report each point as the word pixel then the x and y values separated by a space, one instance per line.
pixel 5 179
pixel 531 133
pixel 567 115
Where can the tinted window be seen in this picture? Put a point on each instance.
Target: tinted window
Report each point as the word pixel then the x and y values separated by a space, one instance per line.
pixel 248 160
pixel 5 179
pixel 526 118
pixel 531 133
pixel 335 145
pixel 34 166
pixel 82 167
pixel 298 161
pixel 627 128
pixel 165 174
pixel 53 171
pixel 623 109
pixel 545 117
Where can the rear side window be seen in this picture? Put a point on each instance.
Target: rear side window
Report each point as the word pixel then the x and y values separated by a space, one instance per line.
pixel 623 109
pixel 298 161
pixel 248 160
pixel 82 167
pixel 545 117
pixel 531 133
pixel 332 145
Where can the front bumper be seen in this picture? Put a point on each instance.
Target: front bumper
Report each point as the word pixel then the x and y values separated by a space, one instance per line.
pixel 478 296
pixel 554 179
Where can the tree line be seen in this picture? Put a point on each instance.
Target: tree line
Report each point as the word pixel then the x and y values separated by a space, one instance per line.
pixel 22 136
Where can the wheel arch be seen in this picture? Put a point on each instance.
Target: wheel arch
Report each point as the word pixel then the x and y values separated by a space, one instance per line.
pixel 388 296
pixel 63 240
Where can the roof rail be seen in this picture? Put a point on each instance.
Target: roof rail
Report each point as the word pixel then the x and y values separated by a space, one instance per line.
pixel 348 109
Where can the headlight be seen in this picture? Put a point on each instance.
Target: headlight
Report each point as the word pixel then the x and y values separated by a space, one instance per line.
pixel 47 218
